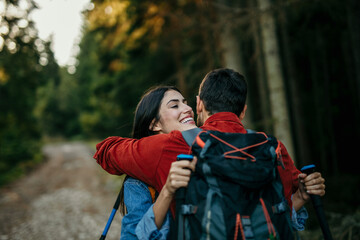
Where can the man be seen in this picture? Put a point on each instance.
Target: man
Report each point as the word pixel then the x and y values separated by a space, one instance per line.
pixel 221 107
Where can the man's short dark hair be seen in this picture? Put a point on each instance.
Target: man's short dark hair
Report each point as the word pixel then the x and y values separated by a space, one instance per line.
pixel 223 90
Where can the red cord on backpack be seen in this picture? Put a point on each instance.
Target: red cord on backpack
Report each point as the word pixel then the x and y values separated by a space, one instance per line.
pixel 268 219
pixel 239 225
pixel 226 154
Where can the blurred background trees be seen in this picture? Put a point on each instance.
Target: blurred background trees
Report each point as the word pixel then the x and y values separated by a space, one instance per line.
pixel 301 60
pixel 26 65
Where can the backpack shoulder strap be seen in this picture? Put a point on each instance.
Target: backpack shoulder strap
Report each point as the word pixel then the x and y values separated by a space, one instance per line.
pixel 250 131
pixel 190 135
pixel 152 193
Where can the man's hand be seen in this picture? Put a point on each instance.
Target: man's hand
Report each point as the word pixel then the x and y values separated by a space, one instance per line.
pixel 308 184
pixel 311 184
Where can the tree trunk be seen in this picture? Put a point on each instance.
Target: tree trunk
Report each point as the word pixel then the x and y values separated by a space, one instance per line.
pixel 180 74
pixel 282 129
pixel 302 146
pixel 230 46
pixel 330 162
pixel 353 12
pixel 206 16
pixel 263 91
pixel 176 47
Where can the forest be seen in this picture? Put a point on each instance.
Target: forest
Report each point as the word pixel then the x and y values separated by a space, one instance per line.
pixel 301 59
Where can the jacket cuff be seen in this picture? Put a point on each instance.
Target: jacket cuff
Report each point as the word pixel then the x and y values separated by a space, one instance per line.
pixel 299 218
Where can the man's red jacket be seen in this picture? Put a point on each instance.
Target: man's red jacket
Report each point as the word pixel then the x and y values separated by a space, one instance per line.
pixel 149 159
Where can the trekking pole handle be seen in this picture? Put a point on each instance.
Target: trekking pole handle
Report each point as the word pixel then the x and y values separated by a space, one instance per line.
pixel 180 193
pixel 318 206
pixel 184 157
pixel 309 169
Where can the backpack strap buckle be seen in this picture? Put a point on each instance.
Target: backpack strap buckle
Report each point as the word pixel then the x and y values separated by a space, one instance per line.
pixel 188 209
pixel 280 207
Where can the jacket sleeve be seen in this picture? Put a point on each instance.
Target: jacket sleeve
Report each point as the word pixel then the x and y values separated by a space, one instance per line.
pixel 288 174
pixel 136 158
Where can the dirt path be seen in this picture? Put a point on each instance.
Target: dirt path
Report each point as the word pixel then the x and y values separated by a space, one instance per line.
pixel 67 197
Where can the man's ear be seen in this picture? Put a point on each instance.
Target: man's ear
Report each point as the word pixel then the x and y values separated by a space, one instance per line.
pixel 242 114
pixel 155 126
pixel 199 105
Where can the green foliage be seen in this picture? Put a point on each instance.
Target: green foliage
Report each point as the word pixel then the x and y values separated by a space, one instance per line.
pixel 24 60
pixel 57 108
pixel 138 45
pixel 18 129
pixel 19 152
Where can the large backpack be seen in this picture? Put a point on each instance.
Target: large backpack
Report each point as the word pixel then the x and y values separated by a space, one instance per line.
pixel 235 191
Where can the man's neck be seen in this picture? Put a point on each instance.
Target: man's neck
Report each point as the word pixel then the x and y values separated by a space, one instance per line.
pixel 204 115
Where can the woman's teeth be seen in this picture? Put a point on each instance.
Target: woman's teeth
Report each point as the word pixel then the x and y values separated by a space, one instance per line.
pixel 186 120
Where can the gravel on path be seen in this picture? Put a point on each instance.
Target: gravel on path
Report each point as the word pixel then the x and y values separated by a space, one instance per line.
pixel 68 197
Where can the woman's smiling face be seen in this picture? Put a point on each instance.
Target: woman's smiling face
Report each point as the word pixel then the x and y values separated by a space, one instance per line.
pixel 174 113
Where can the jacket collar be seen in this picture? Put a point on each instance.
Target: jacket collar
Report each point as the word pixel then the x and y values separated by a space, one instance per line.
pixel 224 122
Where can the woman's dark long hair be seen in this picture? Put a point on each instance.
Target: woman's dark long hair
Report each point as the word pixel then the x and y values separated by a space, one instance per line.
pixel 146 111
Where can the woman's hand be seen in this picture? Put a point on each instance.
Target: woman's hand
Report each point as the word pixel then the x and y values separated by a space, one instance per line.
pixel 179 175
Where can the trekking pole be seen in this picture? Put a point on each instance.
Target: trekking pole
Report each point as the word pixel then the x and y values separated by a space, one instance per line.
pixel 113 212
pixel 318 206
pixel 179 198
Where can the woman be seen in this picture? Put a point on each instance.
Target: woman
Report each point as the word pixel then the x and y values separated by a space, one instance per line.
pixel 161 110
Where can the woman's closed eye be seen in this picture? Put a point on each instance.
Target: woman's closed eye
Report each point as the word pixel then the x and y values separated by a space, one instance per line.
pixel 174 103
